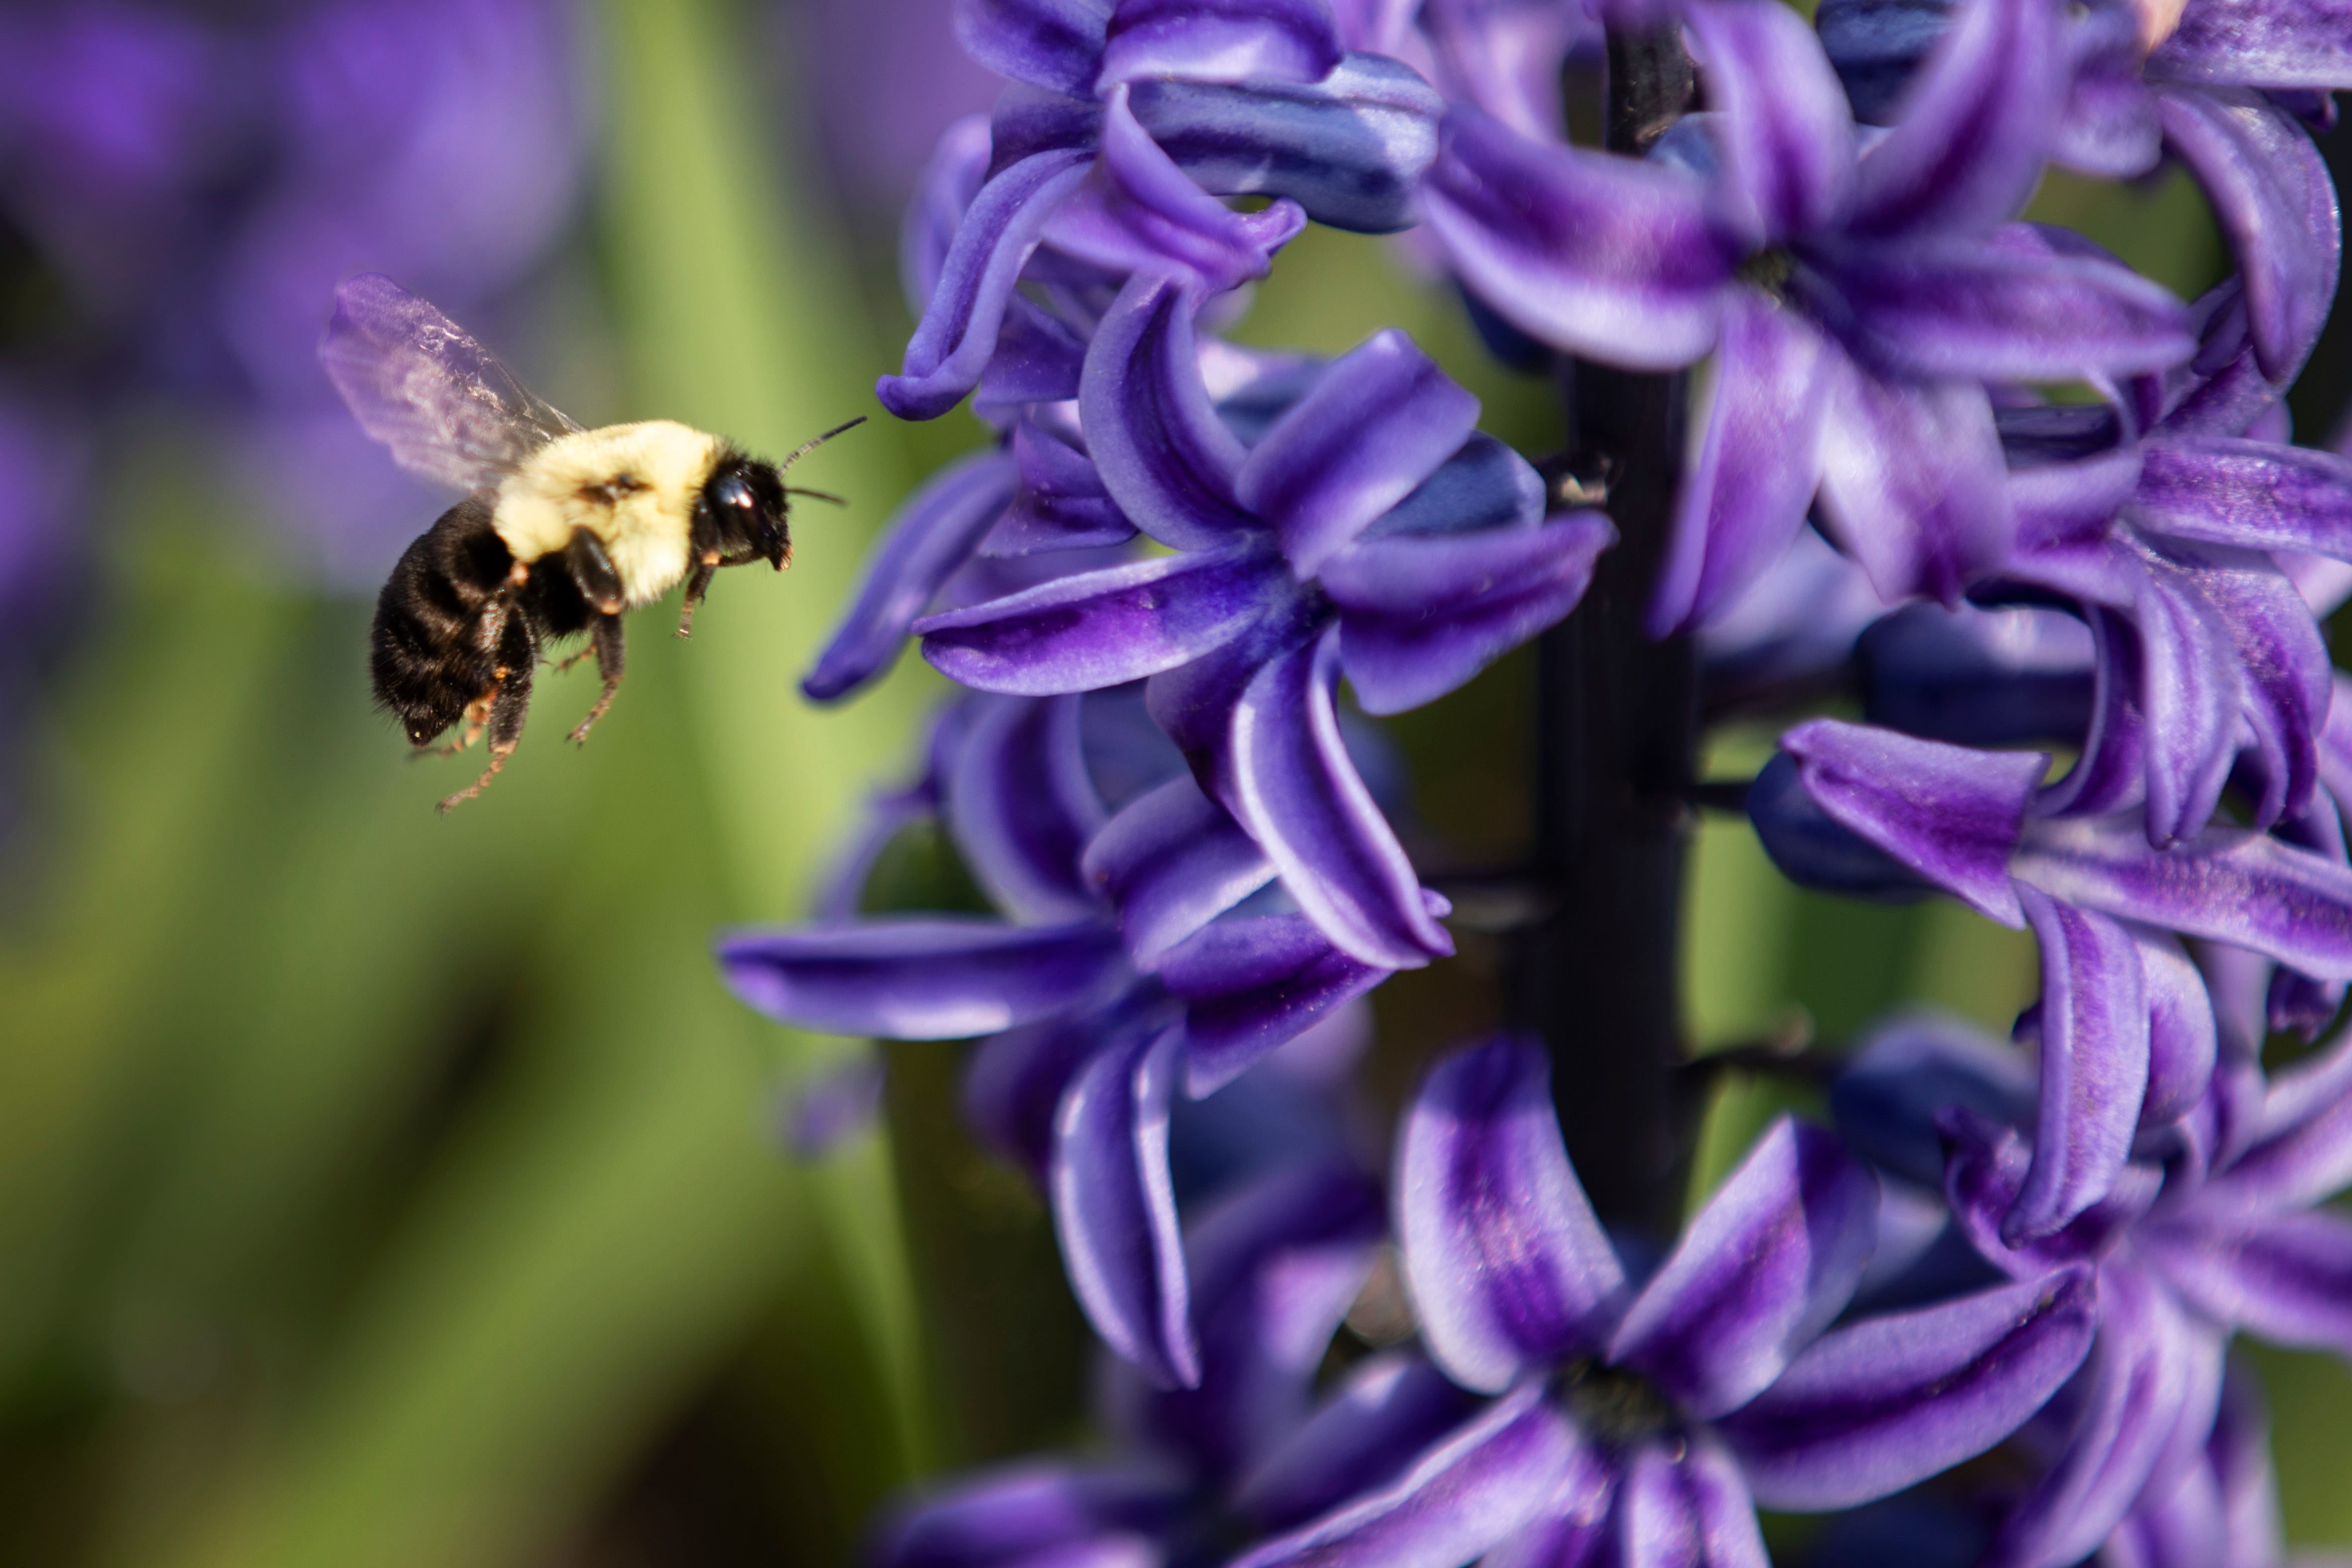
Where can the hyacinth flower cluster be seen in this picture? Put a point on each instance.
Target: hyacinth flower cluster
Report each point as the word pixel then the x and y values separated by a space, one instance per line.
pixel 1140 955
pixel 2015 547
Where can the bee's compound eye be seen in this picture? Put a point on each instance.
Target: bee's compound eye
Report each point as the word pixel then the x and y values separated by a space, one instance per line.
pixel 733 492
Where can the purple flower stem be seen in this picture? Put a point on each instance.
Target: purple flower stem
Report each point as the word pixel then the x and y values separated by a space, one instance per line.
pixel 1599 977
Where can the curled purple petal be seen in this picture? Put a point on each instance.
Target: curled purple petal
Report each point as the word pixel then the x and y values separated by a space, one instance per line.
pixel 1284 40
pixel 2144 1375
pixel 1014 1081
pixel 1596 254
pixel 2256 494
pixel 1508 1267
pixel 1953 815
pixel 1914 486
pixel 1757 465
pixel 2285 1280
pixel 1248 986
pixel 1985 1170
pixel 1038 359
pixel 2271 192
pixel 2226 885
pixel 1382 419
pixel 1195 704
pixel 2306 43
pixel 2095 1053
pixel 1760 1272
pixel 2299 1150
pixel 1102 629
pixel 1061 503
pixel 1686 1509
pixel 1872 1408
pixel 1787 137
pixel 1288 779
pixel 1966 310
pixel 1420 614
pixel 1137 210
pixel 1350 150
pixel 920 979
pixel 1164 455
pixel 1170 862
pixel 1465 1496
pixel 1054 44
pixel 952 343
pixel 1115 1208
pixel 1968 143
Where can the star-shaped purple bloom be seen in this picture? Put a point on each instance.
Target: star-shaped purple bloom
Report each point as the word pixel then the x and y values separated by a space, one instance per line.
pixel 1643 1422
pixel 1857 293
pixel 2212 1231
pixel 1369 529
pixel 2168 550
pixel 2219 84
pixel 2126 1025
pixel 1124 128
pixel 1110 984
pixel 1278 1260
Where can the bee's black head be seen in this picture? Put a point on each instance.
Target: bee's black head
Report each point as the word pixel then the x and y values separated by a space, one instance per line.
pixel 742 513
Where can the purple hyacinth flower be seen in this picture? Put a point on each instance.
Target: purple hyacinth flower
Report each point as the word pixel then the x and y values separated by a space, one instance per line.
pixel 1120 980
pixel 1278 1261
pixel 1032 507
pixel 2126 1025
pixel 2169 551
pixel 1124 128
pixel 1368 531
pixel 2212 83
pixel 2212 1230
pixel 1855 294
pixel 1637 1423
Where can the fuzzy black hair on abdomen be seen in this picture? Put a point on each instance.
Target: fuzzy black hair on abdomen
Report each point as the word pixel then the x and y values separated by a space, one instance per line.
pixel 430 653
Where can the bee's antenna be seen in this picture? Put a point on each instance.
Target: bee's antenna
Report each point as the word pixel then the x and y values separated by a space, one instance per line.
pixel 815 442
pixel 816 494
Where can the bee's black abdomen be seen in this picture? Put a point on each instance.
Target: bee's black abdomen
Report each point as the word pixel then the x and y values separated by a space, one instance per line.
pixel 431 652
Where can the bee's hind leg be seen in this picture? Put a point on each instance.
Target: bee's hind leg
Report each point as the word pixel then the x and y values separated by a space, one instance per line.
pixel 609 659
pixel 477 714
pixel 509 703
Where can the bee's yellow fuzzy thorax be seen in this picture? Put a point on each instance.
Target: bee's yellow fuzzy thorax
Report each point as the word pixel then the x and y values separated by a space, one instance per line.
pixel 632 485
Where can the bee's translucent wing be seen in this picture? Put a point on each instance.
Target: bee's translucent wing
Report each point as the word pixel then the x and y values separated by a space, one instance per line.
pixel 444 404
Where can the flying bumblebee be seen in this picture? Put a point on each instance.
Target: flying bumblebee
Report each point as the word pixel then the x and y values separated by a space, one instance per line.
pixel 562 528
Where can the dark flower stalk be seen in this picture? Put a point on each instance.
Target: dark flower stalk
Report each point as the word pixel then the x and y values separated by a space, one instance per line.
pixel 1616 727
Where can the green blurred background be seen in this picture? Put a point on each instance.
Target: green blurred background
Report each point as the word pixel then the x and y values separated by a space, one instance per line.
pixel 378 1188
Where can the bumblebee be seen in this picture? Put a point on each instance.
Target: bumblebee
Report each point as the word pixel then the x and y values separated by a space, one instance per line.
pixel 560 530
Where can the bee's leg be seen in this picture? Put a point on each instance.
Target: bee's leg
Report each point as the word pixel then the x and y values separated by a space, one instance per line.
pixel 696 585
pixel 477 714
pixel 592 570
pixel 702 541
pixel 608 665
pixel 570 659
pixel 509 703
